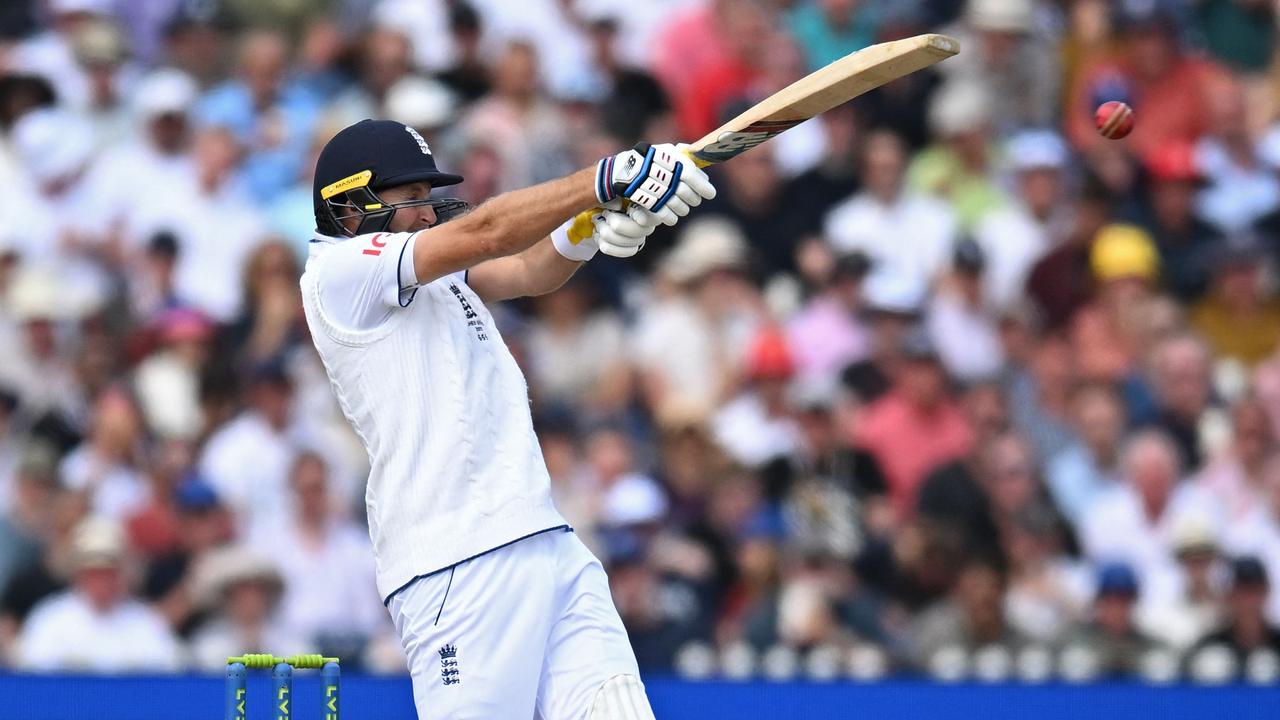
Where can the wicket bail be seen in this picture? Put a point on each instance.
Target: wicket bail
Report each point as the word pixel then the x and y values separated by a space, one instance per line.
pixel 282 683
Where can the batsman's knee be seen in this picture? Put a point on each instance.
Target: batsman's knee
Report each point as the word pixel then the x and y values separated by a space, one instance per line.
pixel 621 697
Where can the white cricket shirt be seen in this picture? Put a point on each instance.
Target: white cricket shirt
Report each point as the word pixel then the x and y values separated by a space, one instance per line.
pixel 438 401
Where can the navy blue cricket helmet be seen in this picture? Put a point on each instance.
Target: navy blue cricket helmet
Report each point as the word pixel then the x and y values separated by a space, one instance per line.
pixel 368 156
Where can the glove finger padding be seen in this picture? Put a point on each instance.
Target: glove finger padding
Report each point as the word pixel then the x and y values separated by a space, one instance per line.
pixel 694 177
pixel 678 206
pixel 620 235
pixel 643 217
pixel 622 224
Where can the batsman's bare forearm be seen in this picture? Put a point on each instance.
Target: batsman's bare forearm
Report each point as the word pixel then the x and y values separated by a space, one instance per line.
pixel 536 271
pixel 505 225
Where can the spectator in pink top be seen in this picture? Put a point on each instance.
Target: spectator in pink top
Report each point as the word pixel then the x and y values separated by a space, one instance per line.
pixel 916 426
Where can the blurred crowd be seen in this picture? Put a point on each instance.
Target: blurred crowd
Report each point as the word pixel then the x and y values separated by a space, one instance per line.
pixel 941 382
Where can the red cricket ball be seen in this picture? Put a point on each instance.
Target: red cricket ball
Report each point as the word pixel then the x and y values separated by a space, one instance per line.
pixel 1114 120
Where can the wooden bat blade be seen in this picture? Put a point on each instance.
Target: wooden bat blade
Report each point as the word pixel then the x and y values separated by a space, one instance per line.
pixel 821 90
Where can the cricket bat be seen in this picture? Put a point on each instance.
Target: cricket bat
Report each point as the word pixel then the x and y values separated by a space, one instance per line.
pixel 819 91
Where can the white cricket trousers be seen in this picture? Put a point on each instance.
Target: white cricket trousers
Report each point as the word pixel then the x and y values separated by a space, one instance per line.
pixel 528 627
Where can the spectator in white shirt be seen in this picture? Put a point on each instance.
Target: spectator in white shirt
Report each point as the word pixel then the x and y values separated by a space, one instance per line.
pixel 1258 532
pixel 575 354
pixel 922 228
pixel 690 342
pixel 1089 465
pixel 1135 522
pixel 217 227
pixel 103 466
pixel 247 460
pixel 758 426
pixel 959 321
pixel 158 162
pixel 97 625
pixel 1236 476
pixel 242 589
pixel 1016 235
pixel 330 597
pixel 1241 188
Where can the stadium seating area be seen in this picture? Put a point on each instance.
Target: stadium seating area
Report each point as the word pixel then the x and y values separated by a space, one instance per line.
pixel 941 383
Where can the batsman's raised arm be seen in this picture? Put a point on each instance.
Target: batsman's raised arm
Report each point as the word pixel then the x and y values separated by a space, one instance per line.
pixel 519 243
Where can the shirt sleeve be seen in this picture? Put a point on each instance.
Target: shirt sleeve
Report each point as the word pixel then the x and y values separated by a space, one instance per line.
pixel 367 278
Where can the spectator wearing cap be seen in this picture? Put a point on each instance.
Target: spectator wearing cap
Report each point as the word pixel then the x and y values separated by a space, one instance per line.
pixel 204 524
pixel 104 468
pixel 960 165
pixel 1241 187
pixel 690 344
pixel 247 459
pixel 55 224
pixel 1090 465
pixel 1106 335
pixel 1258 533
pixel 757 426
pixel 1003 42
pixel 773 214
pixel 37 358
pixel 157 158
pixel 1168 87
pixel 1247 629
pixel 892 304
pixel 1014 237
pixel 1062 281
pixel 239 590
pixel 627 498
pixel 329 597
pixel 97 625
pixel 1135 521
pixel 1198 608
pixel 1185 241
pixel 918 405
pixel 959 320
pixel 1239 318
pixel 270 116
pixel 26 523
pixel 51 53
pixel 924 227
pixel 1112 634
pixel 828 334
pixel 195 37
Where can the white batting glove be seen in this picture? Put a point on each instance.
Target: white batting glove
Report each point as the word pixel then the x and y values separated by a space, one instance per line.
pixel 623 232
pixel 618 231
pixel 658 178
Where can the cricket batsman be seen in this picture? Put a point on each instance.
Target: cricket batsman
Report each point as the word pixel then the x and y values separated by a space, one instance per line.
pixel 503 613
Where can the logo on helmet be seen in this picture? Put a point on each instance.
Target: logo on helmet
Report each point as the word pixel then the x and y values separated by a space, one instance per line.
pixel 426 150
